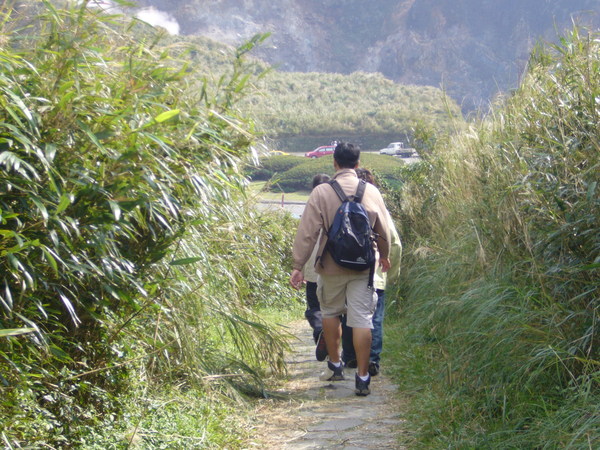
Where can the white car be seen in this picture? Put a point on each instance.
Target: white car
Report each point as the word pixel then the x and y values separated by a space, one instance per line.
pixel 395 148
pixel 398 149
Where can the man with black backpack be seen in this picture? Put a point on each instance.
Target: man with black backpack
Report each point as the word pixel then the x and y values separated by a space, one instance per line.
pixel 345 260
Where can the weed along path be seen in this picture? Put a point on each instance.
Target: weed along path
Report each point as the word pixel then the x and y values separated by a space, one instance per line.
pixel 305 413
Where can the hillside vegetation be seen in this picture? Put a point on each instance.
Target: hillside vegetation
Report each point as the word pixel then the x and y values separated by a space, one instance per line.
pixel 356 105
pixel 473 48
pixel 499 336
pixel 299 111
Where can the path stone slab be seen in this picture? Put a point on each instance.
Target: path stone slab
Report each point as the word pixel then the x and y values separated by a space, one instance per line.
pixel 336 425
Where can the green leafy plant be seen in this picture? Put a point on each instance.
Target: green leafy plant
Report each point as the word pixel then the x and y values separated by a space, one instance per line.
pixel 113 156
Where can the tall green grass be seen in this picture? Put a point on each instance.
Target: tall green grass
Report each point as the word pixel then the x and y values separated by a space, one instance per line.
pixel 500 286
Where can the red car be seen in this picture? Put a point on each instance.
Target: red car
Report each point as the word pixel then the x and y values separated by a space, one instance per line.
pixel 321 151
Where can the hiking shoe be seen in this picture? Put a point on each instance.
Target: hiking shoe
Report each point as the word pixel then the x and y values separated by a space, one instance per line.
pixel 321 350
pixel 373 369
pixel 332 373
pixel 362 387
pixel 352 364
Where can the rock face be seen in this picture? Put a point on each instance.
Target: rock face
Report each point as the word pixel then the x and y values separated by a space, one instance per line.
pixel 471 48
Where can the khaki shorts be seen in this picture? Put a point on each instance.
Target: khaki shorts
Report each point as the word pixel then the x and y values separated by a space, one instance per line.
pixel 347 294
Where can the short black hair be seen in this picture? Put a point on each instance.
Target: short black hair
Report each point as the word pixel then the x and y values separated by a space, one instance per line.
pixel 320 178
pixel 365 174
pixel 346 155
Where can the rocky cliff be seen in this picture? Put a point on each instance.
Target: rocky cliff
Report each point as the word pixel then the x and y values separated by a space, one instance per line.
pixel 471 48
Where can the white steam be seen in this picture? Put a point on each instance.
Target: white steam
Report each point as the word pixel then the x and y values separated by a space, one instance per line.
pixel 149 15
pixel 158 18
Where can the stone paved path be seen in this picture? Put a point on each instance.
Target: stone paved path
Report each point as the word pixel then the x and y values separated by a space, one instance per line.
pixel 310 414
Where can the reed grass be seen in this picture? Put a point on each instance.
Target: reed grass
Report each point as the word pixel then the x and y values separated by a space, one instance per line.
pixel 500 276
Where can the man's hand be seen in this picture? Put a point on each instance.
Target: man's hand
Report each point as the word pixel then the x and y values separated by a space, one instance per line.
pixel 385 264
pixel 296 279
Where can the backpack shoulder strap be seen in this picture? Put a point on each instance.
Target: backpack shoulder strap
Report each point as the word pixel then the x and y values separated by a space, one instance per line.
pixel 360 191
pixel 338 190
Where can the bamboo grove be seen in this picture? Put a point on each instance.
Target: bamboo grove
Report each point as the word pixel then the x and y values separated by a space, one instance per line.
pixel 125 237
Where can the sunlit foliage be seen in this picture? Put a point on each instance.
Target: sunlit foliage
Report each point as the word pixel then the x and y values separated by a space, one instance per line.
pixel 128 250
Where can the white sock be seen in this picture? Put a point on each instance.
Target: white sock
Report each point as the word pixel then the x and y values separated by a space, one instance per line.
pixel 337 364
pixel 365 378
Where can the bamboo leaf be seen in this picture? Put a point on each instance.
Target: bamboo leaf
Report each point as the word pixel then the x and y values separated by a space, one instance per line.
pixel 242 84
pixel 185 261
pixel 15 331
pixel 66 86
pixel 7 300
pixel 167 115
pixel 7 233
pixel 54 12
pixel 91 135
pixel 41 207
pixel 12 162
pixel 59 353
pixel 105 134
pixel 65 201
pixel 50 259
pixel 70 308
pixel 15 98
pixel 50 151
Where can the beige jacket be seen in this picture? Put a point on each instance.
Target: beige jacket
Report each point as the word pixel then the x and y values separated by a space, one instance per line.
pixel 318 216
pixel 308 270
pixel 382 278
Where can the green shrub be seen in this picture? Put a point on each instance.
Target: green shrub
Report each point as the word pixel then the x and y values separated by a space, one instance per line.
pixel 272 166
pixel 299 178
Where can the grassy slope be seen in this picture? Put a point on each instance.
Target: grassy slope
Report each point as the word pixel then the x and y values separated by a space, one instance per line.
pixel 333 104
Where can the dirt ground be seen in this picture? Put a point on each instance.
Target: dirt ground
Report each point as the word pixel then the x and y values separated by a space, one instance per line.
pixel 305 413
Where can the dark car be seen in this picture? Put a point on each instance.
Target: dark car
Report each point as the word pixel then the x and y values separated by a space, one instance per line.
pixel 321 151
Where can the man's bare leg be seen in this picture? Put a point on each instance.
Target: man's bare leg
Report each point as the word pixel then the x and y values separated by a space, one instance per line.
pixel 361 339
pixel 332 330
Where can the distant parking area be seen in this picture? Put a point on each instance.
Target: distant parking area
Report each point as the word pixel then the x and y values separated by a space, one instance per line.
pixel 295 208
pixel 406 159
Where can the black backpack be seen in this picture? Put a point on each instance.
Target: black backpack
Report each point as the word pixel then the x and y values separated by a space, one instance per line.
pixel 350 237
